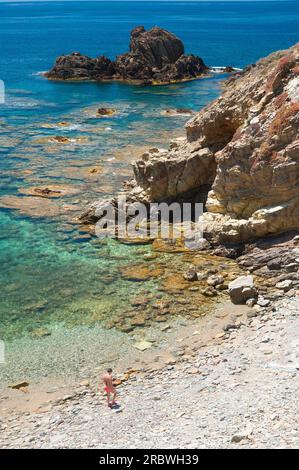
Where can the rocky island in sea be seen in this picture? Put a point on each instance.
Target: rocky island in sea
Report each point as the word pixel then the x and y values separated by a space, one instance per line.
pixel 156 56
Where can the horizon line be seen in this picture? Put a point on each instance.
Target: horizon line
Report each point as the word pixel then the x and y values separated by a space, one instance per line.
pixel 148 1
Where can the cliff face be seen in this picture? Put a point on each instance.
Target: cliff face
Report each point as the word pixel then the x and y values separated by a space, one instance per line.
pixel 240 155
pixel 155 56
pixel 256 188
pixel 245 144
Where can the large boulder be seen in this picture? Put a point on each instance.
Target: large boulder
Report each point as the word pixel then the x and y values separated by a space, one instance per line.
pixel 242 289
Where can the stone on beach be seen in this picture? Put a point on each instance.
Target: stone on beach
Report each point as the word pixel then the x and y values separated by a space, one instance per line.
pixel 143 345
pixel 19 385
pixel 242 289
pixel 284 285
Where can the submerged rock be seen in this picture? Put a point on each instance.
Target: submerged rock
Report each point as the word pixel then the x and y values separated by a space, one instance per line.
pixel 178 112
pixel 50 191
pixel 191 274
pixel 156 56
pixel 40 333
pixel 106 111
pixel 140 273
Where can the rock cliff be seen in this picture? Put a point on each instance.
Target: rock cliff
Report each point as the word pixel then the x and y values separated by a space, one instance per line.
pixel 240 156
pixel 155 56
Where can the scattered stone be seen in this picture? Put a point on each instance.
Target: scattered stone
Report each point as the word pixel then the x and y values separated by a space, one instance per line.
pixel 251 302
pixel 139 301
pixel 138 320
pixel 284 285
pixel 117 382
pixel 106 111
pixel 40 333
pixel 219 335
pixel 143 345
pixel 239 437
pixel 191 274
pixel 209 291
pixel 215 280
pixel 291 267
pixel 252 314
pixel 229 326
pixel 140 273
pixel 262 302
pixel 242 289
pixel 274 264
pixel 84 383
pixel 19 385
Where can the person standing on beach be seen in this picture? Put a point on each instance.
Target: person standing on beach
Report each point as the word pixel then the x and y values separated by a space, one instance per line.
pixel 109 387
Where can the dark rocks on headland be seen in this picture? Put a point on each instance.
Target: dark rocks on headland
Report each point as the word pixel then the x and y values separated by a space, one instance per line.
pixel 156 56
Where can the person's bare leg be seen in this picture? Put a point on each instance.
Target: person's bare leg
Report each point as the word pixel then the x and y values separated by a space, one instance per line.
pixel 108 398
pixel 113 398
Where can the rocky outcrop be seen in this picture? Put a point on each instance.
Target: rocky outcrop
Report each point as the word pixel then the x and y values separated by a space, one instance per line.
pixel 76 66
pixel 256 189
pixel 155 56
pixel 240 156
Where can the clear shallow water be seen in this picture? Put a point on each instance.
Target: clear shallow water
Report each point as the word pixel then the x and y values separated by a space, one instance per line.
pixel 50 271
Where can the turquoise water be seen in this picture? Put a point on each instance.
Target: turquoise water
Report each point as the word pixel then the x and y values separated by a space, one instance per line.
pixel 50 270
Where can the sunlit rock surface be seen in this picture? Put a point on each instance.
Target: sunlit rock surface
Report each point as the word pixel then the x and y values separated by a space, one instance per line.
pixel 240 156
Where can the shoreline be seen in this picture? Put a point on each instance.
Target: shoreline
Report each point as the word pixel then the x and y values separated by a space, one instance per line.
pixel 221 376
pixel 129 82
pixel 212 72
pixel 68 357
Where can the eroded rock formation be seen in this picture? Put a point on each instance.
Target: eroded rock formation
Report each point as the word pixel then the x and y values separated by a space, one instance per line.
pixel 155 56
pixel 241 153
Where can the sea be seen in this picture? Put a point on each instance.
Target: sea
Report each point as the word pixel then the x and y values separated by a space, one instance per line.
pixel 54 274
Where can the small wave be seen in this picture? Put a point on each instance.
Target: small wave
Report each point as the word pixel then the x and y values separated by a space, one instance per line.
pixel 38 74
pixel 222 69
pixel 73 127
pixel 12 102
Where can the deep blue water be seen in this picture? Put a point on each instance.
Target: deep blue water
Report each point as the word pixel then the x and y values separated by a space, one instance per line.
pixel 49 271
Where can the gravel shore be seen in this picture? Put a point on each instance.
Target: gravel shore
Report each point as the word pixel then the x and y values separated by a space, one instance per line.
pixel 236 388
